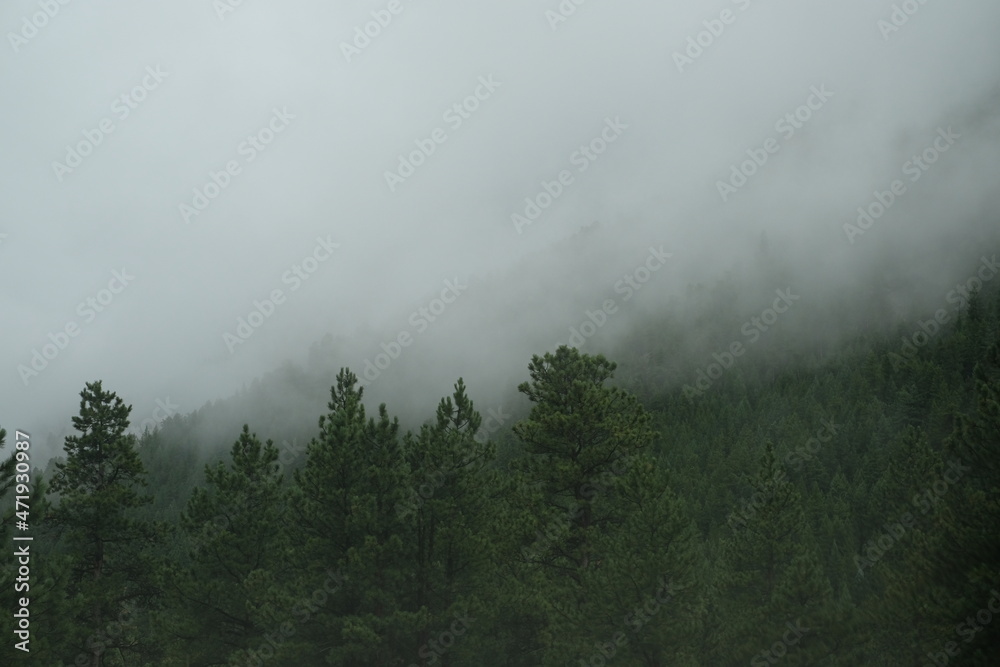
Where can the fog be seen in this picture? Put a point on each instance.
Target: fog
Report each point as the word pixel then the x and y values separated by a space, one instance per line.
pixel 179 164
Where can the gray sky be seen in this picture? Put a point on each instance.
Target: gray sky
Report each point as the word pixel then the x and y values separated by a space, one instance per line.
pixel 161 96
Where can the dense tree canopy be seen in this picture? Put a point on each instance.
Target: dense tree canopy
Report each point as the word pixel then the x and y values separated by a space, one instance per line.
pixel 838 510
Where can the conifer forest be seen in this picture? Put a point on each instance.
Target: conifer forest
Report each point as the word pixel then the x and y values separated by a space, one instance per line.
pixel 530 333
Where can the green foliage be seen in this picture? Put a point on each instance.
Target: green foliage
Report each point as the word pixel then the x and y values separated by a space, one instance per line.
pixel 834 507
pixel 346 502
pixel 46 583
pixel 232 527
pixel 98 487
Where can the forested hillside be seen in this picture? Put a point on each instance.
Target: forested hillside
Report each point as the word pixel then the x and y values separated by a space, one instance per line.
pixel 833 503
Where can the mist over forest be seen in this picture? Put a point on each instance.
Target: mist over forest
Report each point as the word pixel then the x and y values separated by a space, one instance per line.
pixel 570 332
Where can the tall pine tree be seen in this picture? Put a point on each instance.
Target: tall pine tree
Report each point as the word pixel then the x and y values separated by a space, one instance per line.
pixel 98 491
pixel 233 527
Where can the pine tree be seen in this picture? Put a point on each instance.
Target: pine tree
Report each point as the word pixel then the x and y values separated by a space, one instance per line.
pixel 345 500
pixel 893 558
pixel 644 593
pixel 577 433
pixel 774 599
pixel 233 527
pixel 97 489
pixel 968 558
pixel 449 507
pixel 578 436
